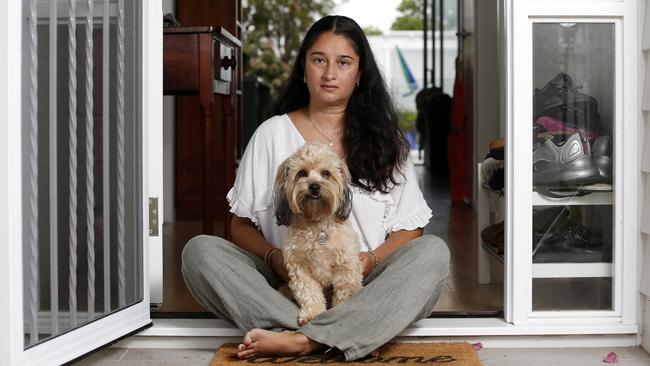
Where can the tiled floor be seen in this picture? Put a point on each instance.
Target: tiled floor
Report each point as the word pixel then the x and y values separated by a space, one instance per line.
pixel 489 357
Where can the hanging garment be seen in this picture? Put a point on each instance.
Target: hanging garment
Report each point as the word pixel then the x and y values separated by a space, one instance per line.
pixel 432 124
pixel 457 147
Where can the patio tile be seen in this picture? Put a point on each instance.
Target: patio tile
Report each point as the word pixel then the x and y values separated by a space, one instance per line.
pixel 105 355
pixel 180 356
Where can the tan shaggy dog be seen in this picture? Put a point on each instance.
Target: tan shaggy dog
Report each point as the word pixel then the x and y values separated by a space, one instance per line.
pixel 321 249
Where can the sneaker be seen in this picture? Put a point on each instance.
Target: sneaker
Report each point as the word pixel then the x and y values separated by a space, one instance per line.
pixel 492 174
pixel 560 236
pixel 552 124
pixel 566 164
pixel 602 157
pixel 560 99
pixel 493 235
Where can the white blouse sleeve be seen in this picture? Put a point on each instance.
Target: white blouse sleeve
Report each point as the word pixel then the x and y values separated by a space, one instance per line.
pixel 253 186
pixel 411 210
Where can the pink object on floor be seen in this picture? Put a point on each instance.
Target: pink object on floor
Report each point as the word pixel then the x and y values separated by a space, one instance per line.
pixel 552 124
pixel 477 346
pixel 611 357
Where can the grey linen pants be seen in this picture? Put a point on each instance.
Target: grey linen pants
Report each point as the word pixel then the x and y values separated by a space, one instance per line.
pixel 239 287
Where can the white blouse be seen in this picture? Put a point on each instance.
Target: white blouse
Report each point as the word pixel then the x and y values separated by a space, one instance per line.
pixel 374 215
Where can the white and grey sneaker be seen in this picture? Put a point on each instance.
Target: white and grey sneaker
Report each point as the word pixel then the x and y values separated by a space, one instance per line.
pixel 566 164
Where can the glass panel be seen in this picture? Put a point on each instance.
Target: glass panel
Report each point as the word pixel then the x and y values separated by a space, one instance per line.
pixel 573 127
pixel 81 134
pixel 572 257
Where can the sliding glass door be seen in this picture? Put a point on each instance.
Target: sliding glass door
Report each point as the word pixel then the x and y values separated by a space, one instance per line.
pixel 89 90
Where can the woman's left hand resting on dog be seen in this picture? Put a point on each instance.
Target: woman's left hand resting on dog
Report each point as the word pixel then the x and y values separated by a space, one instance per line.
pixel 394 241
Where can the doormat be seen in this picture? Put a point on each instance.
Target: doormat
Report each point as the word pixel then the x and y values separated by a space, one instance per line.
pixel 451 354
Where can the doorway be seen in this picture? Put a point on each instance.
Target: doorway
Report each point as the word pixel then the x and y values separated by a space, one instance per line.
pixel 456 223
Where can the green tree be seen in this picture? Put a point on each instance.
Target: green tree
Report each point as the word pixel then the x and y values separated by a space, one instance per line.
pixel 407 119
pixel 411 16
pixel 273 30
pixel 371 30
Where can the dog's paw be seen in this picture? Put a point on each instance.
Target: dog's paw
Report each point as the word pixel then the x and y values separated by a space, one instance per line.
pixel 303 320
pixel 343 293
pixel 305 315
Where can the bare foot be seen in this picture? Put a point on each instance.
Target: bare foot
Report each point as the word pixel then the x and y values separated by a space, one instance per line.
pixel 260 342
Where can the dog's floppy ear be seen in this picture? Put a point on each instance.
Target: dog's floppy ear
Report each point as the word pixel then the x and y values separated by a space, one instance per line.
pixel 345 203
pixel 283 214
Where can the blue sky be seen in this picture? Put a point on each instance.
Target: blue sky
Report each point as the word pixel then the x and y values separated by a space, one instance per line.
pixel 379 13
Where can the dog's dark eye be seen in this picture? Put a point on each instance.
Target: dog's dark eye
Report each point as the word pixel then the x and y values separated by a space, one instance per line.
pixel 326 173
pixel 302 173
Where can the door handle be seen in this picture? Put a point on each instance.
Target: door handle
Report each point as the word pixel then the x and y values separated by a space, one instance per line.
pixel 228 62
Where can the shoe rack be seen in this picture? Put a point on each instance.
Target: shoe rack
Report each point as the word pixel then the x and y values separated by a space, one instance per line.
pixel 491 210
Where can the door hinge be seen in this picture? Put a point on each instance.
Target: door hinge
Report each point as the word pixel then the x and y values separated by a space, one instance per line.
pixel 153 216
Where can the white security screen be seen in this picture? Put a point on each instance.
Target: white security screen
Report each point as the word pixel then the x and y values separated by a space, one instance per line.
pixel 82 163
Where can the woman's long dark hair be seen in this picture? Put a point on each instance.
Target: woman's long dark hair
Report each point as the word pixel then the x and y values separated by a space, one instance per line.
pixel 376 147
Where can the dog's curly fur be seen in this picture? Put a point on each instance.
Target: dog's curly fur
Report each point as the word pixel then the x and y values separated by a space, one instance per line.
pixel 311 193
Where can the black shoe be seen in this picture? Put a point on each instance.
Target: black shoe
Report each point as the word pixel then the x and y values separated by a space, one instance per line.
pixel 493 235
pixel 559 236
pixel 560 99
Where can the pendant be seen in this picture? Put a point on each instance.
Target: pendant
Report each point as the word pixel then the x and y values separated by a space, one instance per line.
pixel 321 238
pixel 331 144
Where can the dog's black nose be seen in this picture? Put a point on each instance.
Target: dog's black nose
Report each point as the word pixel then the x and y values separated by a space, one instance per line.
pixel 314 187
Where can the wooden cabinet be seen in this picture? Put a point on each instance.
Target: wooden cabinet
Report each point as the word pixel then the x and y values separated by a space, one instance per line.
pixel 223 153
pixel 201 60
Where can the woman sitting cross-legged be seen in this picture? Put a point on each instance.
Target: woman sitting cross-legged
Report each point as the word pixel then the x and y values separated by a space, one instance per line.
pixel 335 95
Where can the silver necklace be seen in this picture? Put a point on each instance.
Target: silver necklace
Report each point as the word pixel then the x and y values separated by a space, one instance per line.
pixel 322 237
pixel 330 143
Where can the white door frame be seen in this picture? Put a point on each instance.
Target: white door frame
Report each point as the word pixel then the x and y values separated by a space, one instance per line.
pixel 82 340
pixel 10 210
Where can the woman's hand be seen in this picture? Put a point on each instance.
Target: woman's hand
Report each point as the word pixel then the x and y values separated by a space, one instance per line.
pixel 278 267
pixel 367 262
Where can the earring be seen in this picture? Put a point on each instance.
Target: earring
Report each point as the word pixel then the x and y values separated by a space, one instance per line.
pixel 358 82
pixel 304 79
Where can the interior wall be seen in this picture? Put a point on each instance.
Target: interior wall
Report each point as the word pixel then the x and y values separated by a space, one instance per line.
pixel 482 74
pixel 487 76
